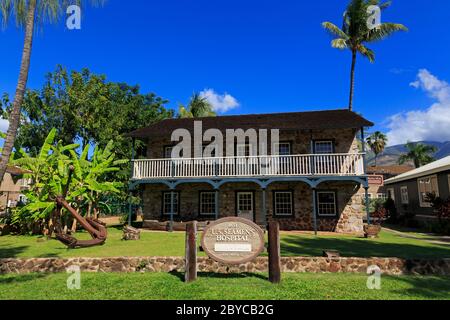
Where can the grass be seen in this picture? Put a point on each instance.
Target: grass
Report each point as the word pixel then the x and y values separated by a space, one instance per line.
pixel 152 286
pixel 172 244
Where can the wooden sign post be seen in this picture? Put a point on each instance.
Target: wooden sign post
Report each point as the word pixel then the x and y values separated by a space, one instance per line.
pixel 191 252
pixel 274 252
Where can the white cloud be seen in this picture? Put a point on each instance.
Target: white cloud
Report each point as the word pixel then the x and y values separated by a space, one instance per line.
pixel 431 124
pixel 221 103
pixel 4 124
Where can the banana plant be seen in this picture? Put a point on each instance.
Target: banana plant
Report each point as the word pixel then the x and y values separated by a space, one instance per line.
pixel 49 171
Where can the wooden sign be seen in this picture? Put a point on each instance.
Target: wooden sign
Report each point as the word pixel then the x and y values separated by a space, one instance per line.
pixel 376 180
pixel 233 240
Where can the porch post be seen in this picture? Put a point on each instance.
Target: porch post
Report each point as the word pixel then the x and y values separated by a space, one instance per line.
pixel 314 213
pixel 263 208
pixel 366 190
pixel 363 143
pixel 130 206
pixel 216 195
pixel 172 195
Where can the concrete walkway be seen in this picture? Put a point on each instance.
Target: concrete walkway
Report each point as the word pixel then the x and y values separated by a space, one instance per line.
pixel 428 237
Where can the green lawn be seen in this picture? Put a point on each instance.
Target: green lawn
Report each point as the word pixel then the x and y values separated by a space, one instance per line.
pixel 172 244
pixel 97 286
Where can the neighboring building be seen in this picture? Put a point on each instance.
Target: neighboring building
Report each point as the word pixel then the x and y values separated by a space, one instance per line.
pixel 377 176
pixel 12 187
pixel 309 180
pixel 409 190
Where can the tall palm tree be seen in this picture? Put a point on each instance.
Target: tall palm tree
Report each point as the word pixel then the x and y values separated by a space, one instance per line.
pixel 355 33
pixel 377 142
pixel 26 14
pixel 198 107
pixel 419 153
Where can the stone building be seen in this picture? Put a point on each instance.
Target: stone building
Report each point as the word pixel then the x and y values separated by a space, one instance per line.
pixel 307 176
pixel 11 188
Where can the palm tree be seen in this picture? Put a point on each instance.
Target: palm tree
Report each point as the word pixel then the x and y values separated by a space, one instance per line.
pixel 355 33
pixel 26 13
pixel 419 153
pixel 377 142
pixel 198 107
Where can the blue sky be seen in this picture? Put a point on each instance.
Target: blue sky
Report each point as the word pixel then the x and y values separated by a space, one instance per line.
pixel 270 56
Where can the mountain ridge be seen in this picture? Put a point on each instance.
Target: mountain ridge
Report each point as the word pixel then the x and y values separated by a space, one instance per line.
pixel 391 154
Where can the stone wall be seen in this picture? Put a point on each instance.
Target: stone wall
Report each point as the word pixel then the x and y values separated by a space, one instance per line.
pixel 389 266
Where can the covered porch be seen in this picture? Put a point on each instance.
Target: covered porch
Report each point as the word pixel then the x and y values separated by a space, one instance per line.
pixel 231 195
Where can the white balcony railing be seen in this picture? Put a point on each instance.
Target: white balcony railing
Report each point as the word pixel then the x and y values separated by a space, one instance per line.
pixel 256 166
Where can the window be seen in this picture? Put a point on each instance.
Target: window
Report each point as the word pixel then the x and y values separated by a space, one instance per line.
pixel 283 205
pixel 168 152
pixel 212 153
pixel 323 147
pixel 207 203
pixel 326 203
pixel 244 150
pixel 283 148
pixel 166 203
pixel 404 195
pixel 245 202
pixel 381 196
pixel 427 185
pixel 391 193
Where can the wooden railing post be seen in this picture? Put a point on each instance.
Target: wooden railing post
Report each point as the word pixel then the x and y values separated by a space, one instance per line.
pixel 274 252
pixel 191 252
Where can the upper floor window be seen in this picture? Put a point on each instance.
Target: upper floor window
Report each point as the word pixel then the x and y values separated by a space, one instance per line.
pixel 427 185
pixel 404 195
pixel 168 152
pixel 244 150
pixel 283 148
pixel 212 153
pixel 326 203
pixel 323 147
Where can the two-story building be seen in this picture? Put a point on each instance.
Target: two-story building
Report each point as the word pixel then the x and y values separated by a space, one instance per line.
pixel 307 180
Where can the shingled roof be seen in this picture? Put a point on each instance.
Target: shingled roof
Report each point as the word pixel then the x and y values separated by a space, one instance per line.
pixel 312 120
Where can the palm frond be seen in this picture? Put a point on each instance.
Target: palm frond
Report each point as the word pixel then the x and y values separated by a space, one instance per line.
pixel 334 30
pixel 366 52
pixel 384 30
pixel 339 44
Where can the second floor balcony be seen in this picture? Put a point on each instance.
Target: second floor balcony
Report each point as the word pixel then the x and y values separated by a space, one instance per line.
pixel 251 166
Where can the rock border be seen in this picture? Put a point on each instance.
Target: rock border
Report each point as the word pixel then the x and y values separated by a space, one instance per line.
pixel 389 266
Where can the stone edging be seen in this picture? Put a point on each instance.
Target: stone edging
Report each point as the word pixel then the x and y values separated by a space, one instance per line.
pixel 390 266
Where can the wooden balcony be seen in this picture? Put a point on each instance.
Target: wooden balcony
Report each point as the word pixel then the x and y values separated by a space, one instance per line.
pixel 256 166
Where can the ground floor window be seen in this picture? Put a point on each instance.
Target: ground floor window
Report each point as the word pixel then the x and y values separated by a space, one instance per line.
pixel 404 195
pixel 381 196
pixel 166 205
pixel 326 203
pixel 207 203
pixel 283 203
pixel 427 185
pixel 391 194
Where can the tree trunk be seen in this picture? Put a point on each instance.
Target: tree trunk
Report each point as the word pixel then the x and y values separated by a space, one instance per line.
pixel 14 118
pixel 352 81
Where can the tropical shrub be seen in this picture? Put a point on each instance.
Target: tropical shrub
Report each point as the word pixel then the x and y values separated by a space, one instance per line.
pixel 91 180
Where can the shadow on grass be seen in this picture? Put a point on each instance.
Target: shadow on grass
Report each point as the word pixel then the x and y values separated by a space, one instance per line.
pixel 436 287
pixel 21 278
pixel 358 247
pixel 180 275
pixel 11 252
